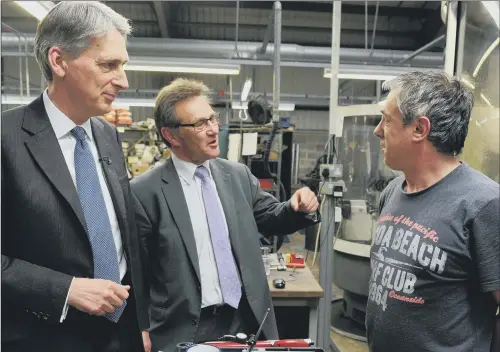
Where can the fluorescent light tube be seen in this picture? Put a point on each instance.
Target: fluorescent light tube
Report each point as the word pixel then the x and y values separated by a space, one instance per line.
pixel 494 10
pixel 120 102
pixel 282 107
pixel 467 83
pixel 371 77
pixel 486 100
pixel 370 72
pixel 362 73
pixel 38 9
pixel 150 103
pixel 183 69
pixel 485 56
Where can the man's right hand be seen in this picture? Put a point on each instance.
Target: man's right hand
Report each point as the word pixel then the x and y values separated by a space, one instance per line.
pixel 96 296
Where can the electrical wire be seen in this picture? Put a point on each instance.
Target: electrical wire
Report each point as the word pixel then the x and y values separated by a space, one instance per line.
pixel 319 228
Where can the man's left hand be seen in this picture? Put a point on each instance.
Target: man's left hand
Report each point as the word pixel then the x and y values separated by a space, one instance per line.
pixel 304 201
pixel 146 341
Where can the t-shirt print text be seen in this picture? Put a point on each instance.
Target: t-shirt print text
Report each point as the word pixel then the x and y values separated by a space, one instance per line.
pixel 418 248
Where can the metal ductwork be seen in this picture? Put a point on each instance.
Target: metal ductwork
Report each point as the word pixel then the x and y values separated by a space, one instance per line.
pixel 248 52
pixel 146 97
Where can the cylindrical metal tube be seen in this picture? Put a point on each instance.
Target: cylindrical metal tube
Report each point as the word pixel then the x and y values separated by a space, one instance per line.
pixel 212 49
pixel 422 49
pixel 277 61
pixel 297 159
pixel 276 88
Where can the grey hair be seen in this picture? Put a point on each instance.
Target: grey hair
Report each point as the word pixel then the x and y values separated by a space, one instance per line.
pixel 442 99
pixel 177 91
pixel 71 25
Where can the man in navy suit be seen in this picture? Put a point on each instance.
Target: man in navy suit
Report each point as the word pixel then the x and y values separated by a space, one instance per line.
pixel 71 271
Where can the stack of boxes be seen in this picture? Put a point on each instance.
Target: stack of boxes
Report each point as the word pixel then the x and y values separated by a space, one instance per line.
pixel 119 117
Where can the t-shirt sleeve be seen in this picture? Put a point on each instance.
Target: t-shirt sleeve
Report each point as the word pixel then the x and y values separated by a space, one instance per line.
pixel 386 194
pixel 486 246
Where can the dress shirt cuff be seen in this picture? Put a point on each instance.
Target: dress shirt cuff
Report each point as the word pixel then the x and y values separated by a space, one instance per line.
pixel 66 306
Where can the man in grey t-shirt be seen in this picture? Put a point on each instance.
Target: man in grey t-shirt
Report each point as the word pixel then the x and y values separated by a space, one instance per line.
pixel 435 258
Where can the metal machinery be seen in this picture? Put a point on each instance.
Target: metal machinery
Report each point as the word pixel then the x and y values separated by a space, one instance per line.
pixel 350 177
pixel 365 176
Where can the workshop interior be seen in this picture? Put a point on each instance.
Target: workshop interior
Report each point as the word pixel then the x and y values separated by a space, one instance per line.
pixel 299 87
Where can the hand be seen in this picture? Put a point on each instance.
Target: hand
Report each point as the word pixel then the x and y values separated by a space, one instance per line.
pixel 146 341
pixel 96 296
pixel 304 201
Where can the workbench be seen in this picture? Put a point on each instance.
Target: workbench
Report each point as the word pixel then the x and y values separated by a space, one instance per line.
pixel 301 290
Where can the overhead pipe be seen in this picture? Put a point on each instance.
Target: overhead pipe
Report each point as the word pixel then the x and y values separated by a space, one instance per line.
pixel 267 36
pixel 276 95
pixel 277 60
pixel 422 49
pixel 300 100
pixel 237 27
pixel 181 48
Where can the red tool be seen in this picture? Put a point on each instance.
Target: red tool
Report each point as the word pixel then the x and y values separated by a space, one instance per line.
pixel 296 261
pixel 268 343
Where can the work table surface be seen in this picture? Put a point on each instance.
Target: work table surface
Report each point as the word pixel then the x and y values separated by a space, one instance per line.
pixel 301 285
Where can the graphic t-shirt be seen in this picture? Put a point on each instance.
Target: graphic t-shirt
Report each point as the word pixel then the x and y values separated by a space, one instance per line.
pixel 435 262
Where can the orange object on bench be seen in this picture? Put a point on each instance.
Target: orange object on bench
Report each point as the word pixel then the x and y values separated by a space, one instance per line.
pixel 296 261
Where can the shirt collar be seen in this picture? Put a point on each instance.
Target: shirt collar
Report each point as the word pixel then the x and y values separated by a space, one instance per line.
pixel 186 169
pixel 62 124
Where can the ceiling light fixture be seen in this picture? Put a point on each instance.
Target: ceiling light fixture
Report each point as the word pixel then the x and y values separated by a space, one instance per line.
pixel 486 100
pixel 494 10
pixel 485 56
pixel 38 9
pixel 158 65
pixel 120 102
pixel 372 73
pixel 467 83
pixel 282 107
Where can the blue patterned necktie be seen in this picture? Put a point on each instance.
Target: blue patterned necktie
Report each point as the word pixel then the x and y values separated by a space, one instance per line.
pixel 226 267
pixel 96 215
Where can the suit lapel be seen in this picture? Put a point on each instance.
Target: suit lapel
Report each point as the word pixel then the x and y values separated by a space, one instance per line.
pixel 44 147
pixel 224 189
pixel 105 151
pixel 172 190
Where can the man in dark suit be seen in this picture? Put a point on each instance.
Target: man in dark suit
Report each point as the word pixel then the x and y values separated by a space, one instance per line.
pixel 199 217
pixel 71 271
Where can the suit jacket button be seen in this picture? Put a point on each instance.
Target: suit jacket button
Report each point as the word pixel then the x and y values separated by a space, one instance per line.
pixel 194 322
pixel 199 287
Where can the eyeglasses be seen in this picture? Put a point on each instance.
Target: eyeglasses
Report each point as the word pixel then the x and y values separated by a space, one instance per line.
pixel 201 124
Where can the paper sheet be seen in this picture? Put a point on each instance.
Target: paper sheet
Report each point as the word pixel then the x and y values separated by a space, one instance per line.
pixel 233 150
pixel 250 143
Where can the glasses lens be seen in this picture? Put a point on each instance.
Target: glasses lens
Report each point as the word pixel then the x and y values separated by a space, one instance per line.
pixel 200 125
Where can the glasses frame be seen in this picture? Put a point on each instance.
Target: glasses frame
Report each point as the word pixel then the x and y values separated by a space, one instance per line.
pixel 201 124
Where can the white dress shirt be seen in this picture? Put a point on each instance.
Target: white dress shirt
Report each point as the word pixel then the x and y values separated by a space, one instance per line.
pixel 62 127
pixel 211 293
